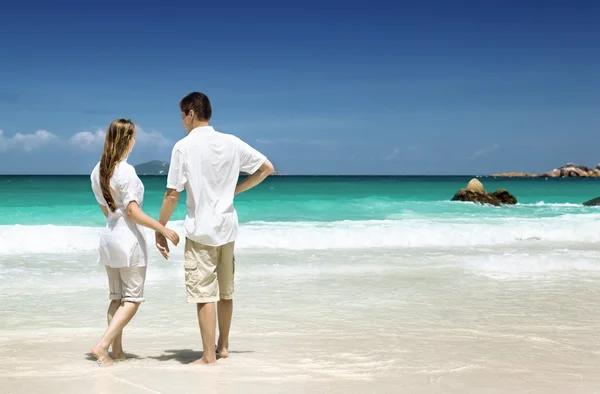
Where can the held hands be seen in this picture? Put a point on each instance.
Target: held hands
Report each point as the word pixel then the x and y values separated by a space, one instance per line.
pixel 161 241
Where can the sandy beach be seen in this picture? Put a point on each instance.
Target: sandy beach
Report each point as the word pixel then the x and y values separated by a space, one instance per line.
pixel 407 321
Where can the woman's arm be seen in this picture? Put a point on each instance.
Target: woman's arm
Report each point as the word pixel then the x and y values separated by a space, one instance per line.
pixel 104 210
pixel 137 215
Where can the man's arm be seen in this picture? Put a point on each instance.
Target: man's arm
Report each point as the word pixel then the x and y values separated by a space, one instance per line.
pixel 166 211
pixel 169 204
pixel 176 180
pixel 259 175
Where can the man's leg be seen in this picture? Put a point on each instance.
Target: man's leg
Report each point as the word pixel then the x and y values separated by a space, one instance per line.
pixel 225 276
pixel 200 262
pixel 225 309
pixel 207 323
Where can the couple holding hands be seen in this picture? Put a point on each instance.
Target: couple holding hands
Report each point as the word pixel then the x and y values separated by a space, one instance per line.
pixel 206 164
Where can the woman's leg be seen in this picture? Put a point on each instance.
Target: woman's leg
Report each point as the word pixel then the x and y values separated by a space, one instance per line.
pixel 115 290
pixel 122 316
pixel 132 281
pixel 129 283
pixel 126 293
pixel 117 345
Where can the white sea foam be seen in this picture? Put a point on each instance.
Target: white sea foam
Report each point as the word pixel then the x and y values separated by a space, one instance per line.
pixel 550 204
pixel 581 230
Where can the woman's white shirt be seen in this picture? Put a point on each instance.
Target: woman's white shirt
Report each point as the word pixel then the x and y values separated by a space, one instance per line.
pixel 121 235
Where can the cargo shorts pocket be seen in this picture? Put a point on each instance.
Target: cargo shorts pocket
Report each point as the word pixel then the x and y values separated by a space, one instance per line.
pixel 191 270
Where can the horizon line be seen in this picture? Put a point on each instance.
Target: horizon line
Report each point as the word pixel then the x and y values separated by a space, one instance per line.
pixel 333 175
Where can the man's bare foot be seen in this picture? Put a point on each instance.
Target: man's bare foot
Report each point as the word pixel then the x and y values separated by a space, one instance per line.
pixel 204 361
pixel 102 356
pixel 222 352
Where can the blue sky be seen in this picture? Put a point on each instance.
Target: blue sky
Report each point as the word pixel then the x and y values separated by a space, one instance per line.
pixel 428 87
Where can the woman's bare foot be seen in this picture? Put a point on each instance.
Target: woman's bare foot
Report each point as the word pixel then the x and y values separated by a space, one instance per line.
pixel 102 356
pixel 119 357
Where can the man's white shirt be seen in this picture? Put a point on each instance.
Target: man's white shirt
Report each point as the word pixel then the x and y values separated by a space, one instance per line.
pixel 207 163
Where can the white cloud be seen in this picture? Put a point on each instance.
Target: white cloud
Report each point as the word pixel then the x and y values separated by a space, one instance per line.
pixel 152 138
pixel 83 140
pixel 26 142
pixel 87 140
pixel 91 141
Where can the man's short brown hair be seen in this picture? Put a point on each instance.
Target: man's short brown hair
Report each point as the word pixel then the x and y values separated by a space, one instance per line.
pixel 200 103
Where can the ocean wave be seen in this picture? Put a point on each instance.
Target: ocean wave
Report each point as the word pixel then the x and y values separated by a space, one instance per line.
pixel 555 205
pixel 567 229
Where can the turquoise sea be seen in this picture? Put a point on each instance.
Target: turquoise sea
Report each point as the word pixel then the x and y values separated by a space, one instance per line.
pixel 373 283
pixel 292 210
pixel 68 200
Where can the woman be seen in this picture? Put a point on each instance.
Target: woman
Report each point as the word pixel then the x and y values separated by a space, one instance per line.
pixel 123 249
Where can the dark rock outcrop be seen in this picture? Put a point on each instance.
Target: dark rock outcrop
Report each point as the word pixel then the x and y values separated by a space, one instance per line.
pixel 475 192
pixel 504 197
pixel 476 197
pixel 593 202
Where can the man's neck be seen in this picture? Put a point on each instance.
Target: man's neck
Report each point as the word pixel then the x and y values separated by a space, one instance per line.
pixel 198 123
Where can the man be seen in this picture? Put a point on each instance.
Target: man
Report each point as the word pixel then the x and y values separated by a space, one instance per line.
pixel 207 163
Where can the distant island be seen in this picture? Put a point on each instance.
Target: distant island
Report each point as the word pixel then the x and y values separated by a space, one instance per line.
pixel 569 170
pixel 157 167
pixel 154 167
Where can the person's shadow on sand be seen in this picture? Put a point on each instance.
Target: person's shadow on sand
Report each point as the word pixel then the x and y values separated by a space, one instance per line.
pixel 186 356
pixel 129 356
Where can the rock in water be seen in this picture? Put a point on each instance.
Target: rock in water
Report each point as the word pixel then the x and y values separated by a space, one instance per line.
pixel 475 192
pixel 476 197
pixel 475 186
pixel 593 202
pixel 504 197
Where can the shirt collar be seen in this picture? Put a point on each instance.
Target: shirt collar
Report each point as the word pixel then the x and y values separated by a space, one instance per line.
pixel 202 129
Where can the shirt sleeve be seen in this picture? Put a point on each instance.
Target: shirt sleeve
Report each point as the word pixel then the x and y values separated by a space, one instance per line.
pixel 95 178
pixel 177 178
pixel 250 158
pixel 130 186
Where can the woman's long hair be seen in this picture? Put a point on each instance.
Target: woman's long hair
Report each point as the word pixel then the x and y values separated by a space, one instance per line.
pixel 116 147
